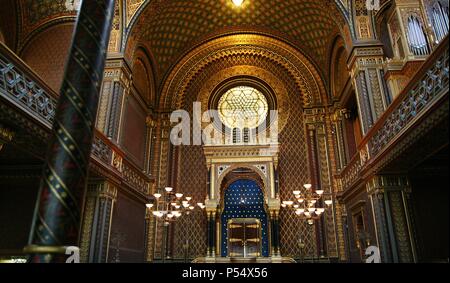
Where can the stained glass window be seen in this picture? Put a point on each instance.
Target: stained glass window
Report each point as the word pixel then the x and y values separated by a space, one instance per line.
pixel 243 107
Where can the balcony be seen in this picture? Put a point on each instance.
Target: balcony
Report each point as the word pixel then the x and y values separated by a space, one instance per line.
pixel 24 94
pixel 426 92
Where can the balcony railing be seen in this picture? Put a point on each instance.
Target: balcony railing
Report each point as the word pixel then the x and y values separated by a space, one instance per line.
pixel 350 174
pixel 24 88
pixel 427 87
pixel 27 92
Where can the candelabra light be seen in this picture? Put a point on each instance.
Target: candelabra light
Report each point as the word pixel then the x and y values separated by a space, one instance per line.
pixel 307 204
pixel 169 205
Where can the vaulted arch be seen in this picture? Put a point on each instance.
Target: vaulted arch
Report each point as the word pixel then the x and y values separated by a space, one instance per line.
pixel 300 69
pixel 172 27
pixel 46 53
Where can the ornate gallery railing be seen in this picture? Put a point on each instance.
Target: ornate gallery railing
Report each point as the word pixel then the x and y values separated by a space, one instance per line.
pixel 428 86
pixel 107 153
pixel 24 89
pixel 350 174
pixel 21 86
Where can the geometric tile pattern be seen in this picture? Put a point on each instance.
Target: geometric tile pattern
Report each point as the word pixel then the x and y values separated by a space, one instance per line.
pixel 37 13
pixel 47 54
pixel 171 27
pixel 293 165
pixel 191 180
pixel 293 171
pixel 41 9
pixel 243 106
pixel 132 7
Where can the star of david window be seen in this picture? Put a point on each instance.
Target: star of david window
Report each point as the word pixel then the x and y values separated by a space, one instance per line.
pixel 243 107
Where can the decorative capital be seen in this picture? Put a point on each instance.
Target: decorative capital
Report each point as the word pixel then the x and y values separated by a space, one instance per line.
pixel 381 183
pixel 366 56
pixel 118 70
pixel 315 115
pixel 102 189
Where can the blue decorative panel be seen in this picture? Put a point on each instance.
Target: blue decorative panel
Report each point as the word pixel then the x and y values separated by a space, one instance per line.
pixel 244 199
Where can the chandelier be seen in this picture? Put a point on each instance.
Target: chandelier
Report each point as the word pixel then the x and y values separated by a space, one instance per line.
pixel 168 206
pixel 307 205
pixel 238 3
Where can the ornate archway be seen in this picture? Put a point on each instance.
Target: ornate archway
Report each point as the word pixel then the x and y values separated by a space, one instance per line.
pixel 243 203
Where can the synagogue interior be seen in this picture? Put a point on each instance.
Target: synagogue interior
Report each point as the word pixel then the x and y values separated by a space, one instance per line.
pixel 224 131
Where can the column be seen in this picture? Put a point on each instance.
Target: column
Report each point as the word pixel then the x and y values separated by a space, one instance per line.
pixel 115 86
pixel 389 199
pixel 319 141
pixel 160 171
pixel 339 138
pixel 366 63
pixel 96 228
pixel 211 222
pixel 57 216
pixel 150 224
pixel 150 144
pixel 275 232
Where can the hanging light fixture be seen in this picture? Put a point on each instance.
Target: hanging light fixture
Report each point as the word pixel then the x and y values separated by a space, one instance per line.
pixel 168 205
pixel 306 203
pixel 238 3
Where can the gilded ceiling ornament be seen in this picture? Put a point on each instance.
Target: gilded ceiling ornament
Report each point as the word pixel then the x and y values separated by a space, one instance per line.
pixel 243 107
pixel 188 22
pixel 300 69
pixel 276 84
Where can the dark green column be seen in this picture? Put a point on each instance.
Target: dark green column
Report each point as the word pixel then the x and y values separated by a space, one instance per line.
pixel 56 222
pixel 275 229
pixel 211 233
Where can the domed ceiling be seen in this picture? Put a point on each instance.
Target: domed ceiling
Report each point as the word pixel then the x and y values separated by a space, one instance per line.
pixel 24 18
pixel 170 28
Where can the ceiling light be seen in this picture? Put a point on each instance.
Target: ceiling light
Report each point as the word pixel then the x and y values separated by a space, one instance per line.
pixel 307 186
pixel 321 210
pixel 237 2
